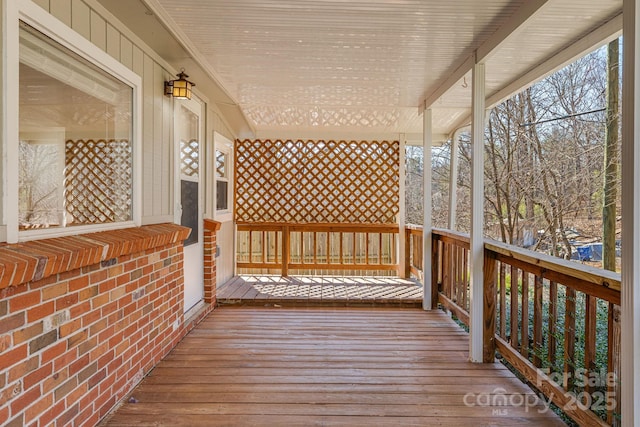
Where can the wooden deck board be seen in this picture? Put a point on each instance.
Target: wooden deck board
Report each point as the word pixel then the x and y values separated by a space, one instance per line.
pixel 330 367
pixel 319 291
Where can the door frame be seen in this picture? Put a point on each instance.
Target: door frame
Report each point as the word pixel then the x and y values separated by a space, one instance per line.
pixel 197 107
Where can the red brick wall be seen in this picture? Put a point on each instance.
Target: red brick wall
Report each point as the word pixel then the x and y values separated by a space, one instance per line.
pixel 210 243
pixel 83 319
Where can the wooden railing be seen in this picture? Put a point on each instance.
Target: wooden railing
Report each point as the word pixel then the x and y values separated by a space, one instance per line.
pixel 560 329
pixel 309 248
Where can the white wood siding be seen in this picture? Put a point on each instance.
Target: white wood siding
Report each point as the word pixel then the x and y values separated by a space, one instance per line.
pixel 224 263
pixel 90 20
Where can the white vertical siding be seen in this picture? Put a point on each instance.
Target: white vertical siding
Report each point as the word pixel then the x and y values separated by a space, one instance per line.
pixel 224 263
pixel 81 18
pixel 113 42
pixel 61 9
pixel 98 30
pixel 43 3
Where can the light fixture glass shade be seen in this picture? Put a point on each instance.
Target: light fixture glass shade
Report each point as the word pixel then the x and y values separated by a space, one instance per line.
pixel 179 88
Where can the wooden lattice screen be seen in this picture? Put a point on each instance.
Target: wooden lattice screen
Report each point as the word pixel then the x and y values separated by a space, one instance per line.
pixel 98 180
pixel 317 182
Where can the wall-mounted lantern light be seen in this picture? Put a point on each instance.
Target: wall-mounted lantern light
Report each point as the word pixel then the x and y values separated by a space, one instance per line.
pixel 179 88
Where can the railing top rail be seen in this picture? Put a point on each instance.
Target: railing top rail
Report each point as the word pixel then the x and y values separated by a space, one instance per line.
pixel 414 227
pixel 324 227
pixel 587 273
pixel 455 235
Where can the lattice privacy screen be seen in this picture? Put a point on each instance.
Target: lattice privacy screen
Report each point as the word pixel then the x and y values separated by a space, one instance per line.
pixel 98 180
pixel 317 181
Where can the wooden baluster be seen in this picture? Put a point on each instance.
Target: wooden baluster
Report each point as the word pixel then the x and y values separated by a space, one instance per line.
pixel 353 254
pixel 341 255
pixel 537 320
pixel 613 365
pixel 569 338
pixel 514 308
pixel 407 252
pixel 489 311
pixel 524 347
pixel 264 246
pixel 458 275
pixel 250 246
pixel 435 271
pixel 366 248
pixel 503 300
pixel 553 321
pixel 454 273
pixel 315 247
pixel 286 257
pixel 465 279
pixel 277 248
pixel 591 306
pixel 446 274
pixel 380 249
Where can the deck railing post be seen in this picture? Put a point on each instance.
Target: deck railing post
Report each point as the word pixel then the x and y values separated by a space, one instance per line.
pixel 409 244
pixel 489 325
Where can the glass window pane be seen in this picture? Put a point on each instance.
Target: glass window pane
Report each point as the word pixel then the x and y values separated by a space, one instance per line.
pixel 222 195
pixel 75 148
pixel 221 164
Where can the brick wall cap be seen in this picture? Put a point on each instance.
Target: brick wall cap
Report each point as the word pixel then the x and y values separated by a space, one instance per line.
pixel 38 259
pixel 212 225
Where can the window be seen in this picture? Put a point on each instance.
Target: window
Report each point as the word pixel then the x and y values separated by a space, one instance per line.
pixel 75 153
pixel 222 180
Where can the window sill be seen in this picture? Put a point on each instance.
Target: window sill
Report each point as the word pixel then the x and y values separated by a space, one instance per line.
pixel 36 260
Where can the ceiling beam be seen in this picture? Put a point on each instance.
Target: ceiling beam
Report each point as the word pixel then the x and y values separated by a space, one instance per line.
pixel 598 37
pixel 523 15
pixel 460 71
pixel 515 22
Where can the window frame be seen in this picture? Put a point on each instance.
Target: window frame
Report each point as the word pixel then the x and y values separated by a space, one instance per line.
pixel 39 19
pixel 223 145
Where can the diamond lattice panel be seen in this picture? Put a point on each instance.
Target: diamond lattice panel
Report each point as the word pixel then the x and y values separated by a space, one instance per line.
pixel 98 181
pixel 189 158
pixel 317 181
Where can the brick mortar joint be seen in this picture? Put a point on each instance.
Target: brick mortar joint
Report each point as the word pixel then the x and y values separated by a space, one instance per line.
pixel 36 260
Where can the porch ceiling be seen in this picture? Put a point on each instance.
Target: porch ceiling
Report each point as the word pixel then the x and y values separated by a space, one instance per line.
pixel 356 68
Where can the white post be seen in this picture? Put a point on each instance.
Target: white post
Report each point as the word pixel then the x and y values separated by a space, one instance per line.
pixel 453 180
pixel 630 295
pixel 476 253
pixel 427 142
pixel 401 213
pixel 10 119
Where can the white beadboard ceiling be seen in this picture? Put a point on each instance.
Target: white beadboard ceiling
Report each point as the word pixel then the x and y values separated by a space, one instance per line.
pixel 356 68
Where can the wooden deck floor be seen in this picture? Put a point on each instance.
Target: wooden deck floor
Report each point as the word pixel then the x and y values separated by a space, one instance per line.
pixel 250 366
pixel 320 291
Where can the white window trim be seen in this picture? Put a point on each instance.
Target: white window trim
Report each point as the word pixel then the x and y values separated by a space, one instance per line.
pixel 223 144
pixel 33 15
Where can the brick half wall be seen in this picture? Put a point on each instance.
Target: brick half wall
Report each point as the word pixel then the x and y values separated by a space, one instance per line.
pixel 84 318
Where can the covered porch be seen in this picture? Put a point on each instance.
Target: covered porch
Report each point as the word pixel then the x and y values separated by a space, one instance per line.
pixel 295 291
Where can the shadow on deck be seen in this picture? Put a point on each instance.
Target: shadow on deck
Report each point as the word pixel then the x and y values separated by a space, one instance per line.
pixel 331 291
pixel 248 366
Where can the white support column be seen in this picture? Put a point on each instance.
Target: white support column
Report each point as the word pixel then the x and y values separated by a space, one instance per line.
pixel 453 179
pixel 10 119
pixel 476 253
pixel 401 214
pixel 630 304
pixel 427 142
